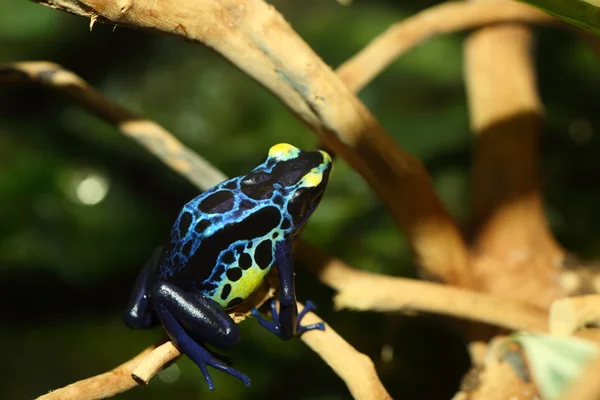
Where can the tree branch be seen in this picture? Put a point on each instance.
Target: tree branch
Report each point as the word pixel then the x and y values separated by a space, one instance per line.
pixel 361 290
pixel 514 252
pixel 442 18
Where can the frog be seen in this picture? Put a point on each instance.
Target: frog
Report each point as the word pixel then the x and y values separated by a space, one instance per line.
pixel 221 248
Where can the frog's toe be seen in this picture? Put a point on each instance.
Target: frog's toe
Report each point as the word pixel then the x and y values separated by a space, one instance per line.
pixel 271 326
pixel 213 362
pixel 309 306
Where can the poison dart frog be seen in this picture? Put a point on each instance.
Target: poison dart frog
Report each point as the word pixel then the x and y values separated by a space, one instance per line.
pixel 222 245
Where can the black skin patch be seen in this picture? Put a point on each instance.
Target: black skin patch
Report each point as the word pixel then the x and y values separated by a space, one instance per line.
pixel 201 264
pixel 226 291
pixel 187 248
pixel 258 192
pixel 217 203
pixel 275 235
pixel 184 223
pixel 231 185
pixel 263 255
pixel 245 261
pixel 246 205
pixel 278 200
pixel 234 274
pixel 228 258
pixel 202 225
pixel 286 224
pixel 234 302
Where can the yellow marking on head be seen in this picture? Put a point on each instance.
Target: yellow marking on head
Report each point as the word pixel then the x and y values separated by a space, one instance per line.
pixel 313 178
pixel 283 151
pixel 326 157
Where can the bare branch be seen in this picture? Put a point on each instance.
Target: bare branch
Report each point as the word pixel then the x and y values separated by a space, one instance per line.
pixel 514 252
pixel 256 38
pixel 101 386
pixel 446 17
pixel 148 134
pixel 361 290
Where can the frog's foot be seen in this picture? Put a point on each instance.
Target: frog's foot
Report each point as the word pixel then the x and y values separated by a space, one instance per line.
pixel 275 325
pixel 191 321
pixel 201 356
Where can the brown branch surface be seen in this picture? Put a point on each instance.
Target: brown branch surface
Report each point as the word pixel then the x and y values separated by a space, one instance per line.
pixel 587 386
pixel 355 368
pixel 361 290
pixel 514 254
pixel 255 37
pixel 572 313
pixel 446 17
pixel 101 386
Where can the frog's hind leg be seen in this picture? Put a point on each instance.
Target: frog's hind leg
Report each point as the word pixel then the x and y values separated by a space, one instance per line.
pixel 192 320
pixel 139 314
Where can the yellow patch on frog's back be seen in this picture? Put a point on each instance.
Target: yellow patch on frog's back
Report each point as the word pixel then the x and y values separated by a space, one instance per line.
pixel 283 151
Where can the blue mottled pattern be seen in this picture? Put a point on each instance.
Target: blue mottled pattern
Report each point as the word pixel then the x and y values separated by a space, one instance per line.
pixel 223 241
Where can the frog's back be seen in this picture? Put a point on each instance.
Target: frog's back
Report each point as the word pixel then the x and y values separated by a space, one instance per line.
pixel 222 243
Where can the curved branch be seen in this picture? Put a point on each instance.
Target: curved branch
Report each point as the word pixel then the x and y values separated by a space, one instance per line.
pixel 150 135
pixel 361 290
pixel 446 17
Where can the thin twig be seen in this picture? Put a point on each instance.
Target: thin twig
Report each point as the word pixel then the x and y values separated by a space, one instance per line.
pixel 446 17
pixel 150 135
pixel 258 40
pixel 361 290
pixel 101 386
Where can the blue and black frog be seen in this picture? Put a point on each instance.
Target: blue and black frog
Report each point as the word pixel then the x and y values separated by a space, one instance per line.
pixel 222 246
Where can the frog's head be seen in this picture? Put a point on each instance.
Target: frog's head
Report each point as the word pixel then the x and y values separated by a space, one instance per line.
pixel 303 176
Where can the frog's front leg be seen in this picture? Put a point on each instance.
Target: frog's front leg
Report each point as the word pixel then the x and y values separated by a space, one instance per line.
pixel 191 320
pixel 139 314
pixel 286 322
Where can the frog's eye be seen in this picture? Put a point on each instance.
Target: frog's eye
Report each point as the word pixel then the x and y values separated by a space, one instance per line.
pixel 283 151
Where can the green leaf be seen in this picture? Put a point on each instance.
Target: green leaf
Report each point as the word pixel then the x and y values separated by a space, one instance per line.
pixel 585 14
pixel 555 361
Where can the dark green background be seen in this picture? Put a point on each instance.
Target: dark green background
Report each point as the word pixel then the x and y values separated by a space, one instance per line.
pixel 66 269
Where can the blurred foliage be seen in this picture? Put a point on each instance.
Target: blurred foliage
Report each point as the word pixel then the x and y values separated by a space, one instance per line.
pixel 66 268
